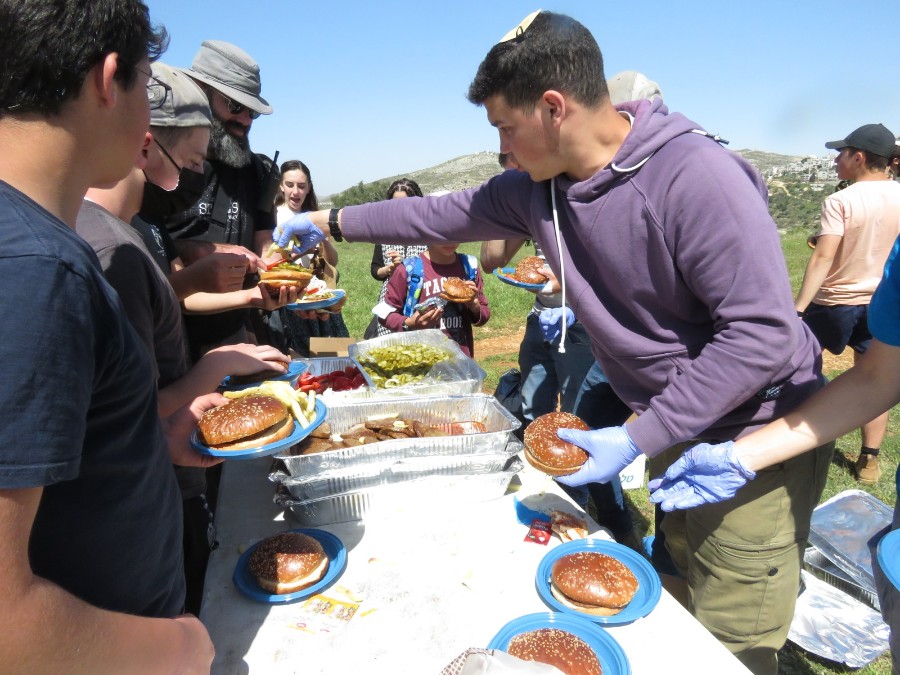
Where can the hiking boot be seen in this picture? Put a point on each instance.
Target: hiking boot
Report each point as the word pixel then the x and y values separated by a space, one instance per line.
pixel 867 469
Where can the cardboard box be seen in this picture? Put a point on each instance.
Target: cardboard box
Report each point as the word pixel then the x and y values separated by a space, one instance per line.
pixel 330 346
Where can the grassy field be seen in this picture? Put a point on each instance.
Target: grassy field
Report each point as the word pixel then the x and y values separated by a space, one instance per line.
pixel 508 309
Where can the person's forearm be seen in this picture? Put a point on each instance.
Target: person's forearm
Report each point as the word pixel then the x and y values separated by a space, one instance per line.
pixel 51 631
pixel 191 250
pixel 184 281
pixel 203 378
pixel 394 322
pixel 498 252
pixel 816 273
pixel 213 303
pixel 855 397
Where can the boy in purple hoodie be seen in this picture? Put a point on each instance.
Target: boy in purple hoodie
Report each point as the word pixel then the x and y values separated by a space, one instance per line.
pixel 645 220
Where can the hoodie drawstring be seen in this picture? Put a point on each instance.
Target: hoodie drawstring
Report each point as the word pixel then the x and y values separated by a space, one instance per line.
pixel 562 265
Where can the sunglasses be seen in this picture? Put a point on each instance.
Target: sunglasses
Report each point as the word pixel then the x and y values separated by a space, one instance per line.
pixel 237 108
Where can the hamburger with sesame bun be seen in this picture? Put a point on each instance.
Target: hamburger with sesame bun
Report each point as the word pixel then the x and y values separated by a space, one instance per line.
pixel 288 562
pixel 546 451
pixel 457 290
pixel 528 270
pixel 593 583
pixel 558 648
pixel 285 274
pixel 249 422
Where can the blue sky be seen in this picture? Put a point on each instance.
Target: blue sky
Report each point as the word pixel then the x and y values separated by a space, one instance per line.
pixel 365 90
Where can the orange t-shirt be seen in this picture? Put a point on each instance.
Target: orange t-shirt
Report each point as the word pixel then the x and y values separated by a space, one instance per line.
pixel 866 215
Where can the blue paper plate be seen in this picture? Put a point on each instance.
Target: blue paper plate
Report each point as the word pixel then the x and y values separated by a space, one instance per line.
pixel 889 556
pixel 297 435
pixel 294 371
pixel 337 562
pixel 649 586
pixel 501 273
pixel 611 655
pixel 319 304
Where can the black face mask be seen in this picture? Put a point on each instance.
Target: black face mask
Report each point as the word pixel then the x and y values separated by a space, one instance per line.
pixel 158 203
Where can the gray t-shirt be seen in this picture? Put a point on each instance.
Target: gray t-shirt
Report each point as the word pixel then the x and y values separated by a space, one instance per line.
pixel 149 301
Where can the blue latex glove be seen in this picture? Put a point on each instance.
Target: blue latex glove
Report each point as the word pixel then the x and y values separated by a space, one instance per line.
pixel 704 474
pixel 551 321
pixel 609 451
pixel 301 228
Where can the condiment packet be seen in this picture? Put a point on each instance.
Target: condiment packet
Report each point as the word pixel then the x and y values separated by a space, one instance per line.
pixel 539 532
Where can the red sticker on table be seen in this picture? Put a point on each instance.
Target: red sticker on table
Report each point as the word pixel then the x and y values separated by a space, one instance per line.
pixel 539 532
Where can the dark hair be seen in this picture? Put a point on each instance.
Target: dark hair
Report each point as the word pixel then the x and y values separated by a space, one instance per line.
pixel 47 48
pixel 554 52
pixel 311 202
pixel 872 161
pixel 407 185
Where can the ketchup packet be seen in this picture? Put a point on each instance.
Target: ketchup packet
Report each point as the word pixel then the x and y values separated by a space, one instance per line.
pixel 539 532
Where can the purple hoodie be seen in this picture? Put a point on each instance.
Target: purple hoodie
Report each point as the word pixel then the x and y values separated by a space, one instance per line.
pixel 672 263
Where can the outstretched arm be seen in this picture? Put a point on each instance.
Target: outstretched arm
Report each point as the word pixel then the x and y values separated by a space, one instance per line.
pixel 714 473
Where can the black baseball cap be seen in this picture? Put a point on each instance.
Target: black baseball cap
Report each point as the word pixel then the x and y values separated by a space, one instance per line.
pixel 874 138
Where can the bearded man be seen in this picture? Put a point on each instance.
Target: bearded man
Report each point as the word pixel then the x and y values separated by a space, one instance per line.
pixel 235 213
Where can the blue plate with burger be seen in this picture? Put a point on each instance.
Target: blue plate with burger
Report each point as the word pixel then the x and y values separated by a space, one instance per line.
pixel 252 426
pixel 567 642
pixel 602 581
pixel 290 566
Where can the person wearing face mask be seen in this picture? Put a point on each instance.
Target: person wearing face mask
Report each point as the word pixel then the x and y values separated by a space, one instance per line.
pixel 139 277
pixel 235 212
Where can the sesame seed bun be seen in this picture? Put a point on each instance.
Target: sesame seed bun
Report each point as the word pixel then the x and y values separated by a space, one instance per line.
pixel 249 422
pixel 546 451
pixel 456 290
pixel 288 562
pixel 557 648
pixel 284 275
pixel 593 583
pixel 527 270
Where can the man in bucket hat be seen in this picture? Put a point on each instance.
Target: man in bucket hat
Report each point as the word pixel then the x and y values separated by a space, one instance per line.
pixel 235 212
pixel 858 227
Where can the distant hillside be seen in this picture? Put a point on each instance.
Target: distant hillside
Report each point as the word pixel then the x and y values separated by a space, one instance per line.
pixel 797 184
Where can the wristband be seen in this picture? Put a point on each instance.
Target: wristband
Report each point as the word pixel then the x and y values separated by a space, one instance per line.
pixel 333 226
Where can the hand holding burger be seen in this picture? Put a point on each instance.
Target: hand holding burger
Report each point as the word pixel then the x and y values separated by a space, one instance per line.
pixel 181 424
pixel 249 422
pixel 609 451
pixel 285 274
pixel 546 451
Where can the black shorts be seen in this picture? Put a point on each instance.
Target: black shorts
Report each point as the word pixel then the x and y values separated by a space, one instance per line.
pixel 838 326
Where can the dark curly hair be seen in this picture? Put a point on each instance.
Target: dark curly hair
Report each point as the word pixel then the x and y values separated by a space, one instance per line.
pixel 407 185
pixel 553 52
pixel 47 48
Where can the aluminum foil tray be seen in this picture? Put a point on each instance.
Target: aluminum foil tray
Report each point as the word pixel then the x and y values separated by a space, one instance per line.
pixel 343 415
pixel 389 499
pixel 459 374
pixel 842 527
pixel 815 562
pixel 390 472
